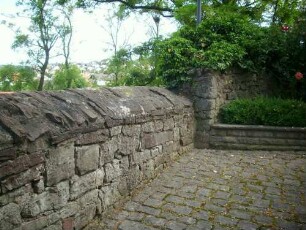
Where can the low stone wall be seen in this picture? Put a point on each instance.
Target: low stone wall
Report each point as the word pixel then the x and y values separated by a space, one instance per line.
pixel 210 90
pixel 67 156
pixel 257 137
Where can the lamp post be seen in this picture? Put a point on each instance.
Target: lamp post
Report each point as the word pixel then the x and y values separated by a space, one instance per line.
pixel 156 19
pixel 199 12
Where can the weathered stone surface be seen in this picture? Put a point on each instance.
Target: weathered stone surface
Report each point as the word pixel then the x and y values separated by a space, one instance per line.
pixel 112 171
pixel 108 150
pixel 10 216
pixel 16 181
pixel 128 145
pixel 52 199
pixel 258 137
pixel 40 222
pixel 20 164
pixel 87 158
pixel 60 163
pixel 93 137
pixel 87 182
pixel 78 152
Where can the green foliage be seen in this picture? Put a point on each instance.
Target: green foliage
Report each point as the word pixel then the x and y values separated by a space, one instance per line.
pixel 66 78
pixel 228 38
pixel 17 78
pixel 176 57
pixel 264 111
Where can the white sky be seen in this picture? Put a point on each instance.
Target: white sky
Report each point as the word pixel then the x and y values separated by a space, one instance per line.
pixel 90 42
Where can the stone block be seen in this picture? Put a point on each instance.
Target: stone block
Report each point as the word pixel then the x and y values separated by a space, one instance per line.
pixel 10 216
pixel 41 222
pixel 108 150
pixel 164 137
pixel 156 151
pixel 60 163
pixel 112 171
pixel 20 164
pixel 128 145
pixel 93 137
pixel 140 157
pixel 148 127
pixel 159 125
pixel 68 223
pixel 204 105
pixel 19 196
pixel 131 130
pixel 87 158
pixel 169 124
pixel 85 183
pixel 70 209
pixel 84 216
pixel 109 195
pixel 114 131
pixel 55 226
pixel 148 169
pixel 149 140
pixel 176 133
pixel 52 199
pixel 124 164
pixel 134 177
pixel 16 181
pixel 168 147
pixel 39 185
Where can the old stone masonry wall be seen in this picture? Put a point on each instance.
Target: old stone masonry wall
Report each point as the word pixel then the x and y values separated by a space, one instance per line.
pixel 67 156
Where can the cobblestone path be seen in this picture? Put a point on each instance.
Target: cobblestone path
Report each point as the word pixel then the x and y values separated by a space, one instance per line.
pixel 214 189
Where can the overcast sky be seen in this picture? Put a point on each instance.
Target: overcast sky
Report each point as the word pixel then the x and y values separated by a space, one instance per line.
pixel 90 41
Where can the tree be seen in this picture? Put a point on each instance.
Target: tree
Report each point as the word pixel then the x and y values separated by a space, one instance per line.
pixel 65 33
pixel 44 33
pixel 165 7
pixel 68 78
pixel 17 78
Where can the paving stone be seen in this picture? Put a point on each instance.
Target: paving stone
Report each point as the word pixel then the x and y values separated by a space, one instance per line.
pixel 148 210
pixel 240 214
pixel 175 199
pixel 266 220
pixel 138 216
pixel 222 195
pixel 247 225
pixel 202 215
pixel 181 210
pixel 187 220
pixel 214 208
pixel 223 220
pixel 153 203
pixel 222 190
pixel 132 225
pixel 154 221
pixel 202 224
pixel 175 225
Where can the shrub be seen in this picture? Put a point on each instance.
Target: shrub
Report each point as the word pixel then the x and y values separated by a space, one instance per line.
pixel 264 111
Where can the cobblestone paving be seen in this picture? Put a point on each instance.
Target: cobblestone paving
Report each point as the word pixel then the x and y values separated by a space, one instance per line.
pixel 214 189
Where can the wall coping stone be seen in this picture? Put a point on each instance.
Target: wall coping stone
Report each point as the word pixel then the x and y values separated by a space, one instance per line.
pixel 61 115
pixel 259 128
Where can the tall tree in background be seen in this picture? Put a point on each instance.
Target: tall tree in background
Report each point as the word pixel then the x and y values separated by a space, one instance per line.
pixel 65 34
pixel 43 34
pixel 118 40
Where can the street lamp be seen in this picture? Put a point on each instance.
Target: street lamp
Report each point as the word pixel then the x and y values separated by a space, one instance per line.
pixel 199 12
pixel 156 19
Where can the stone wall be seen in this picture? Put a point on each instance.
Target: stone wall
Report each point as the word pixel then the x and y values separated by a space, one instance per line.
pixel 257 137
pixel 210 90
pixel 67 156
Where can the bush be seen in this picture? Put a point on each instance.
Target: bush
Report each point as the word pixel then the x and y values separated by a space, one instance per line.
pixel 264 111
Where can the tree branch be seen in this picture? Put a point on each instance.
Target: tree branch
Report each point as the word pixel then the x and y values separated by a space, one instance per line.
pixel 161 10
